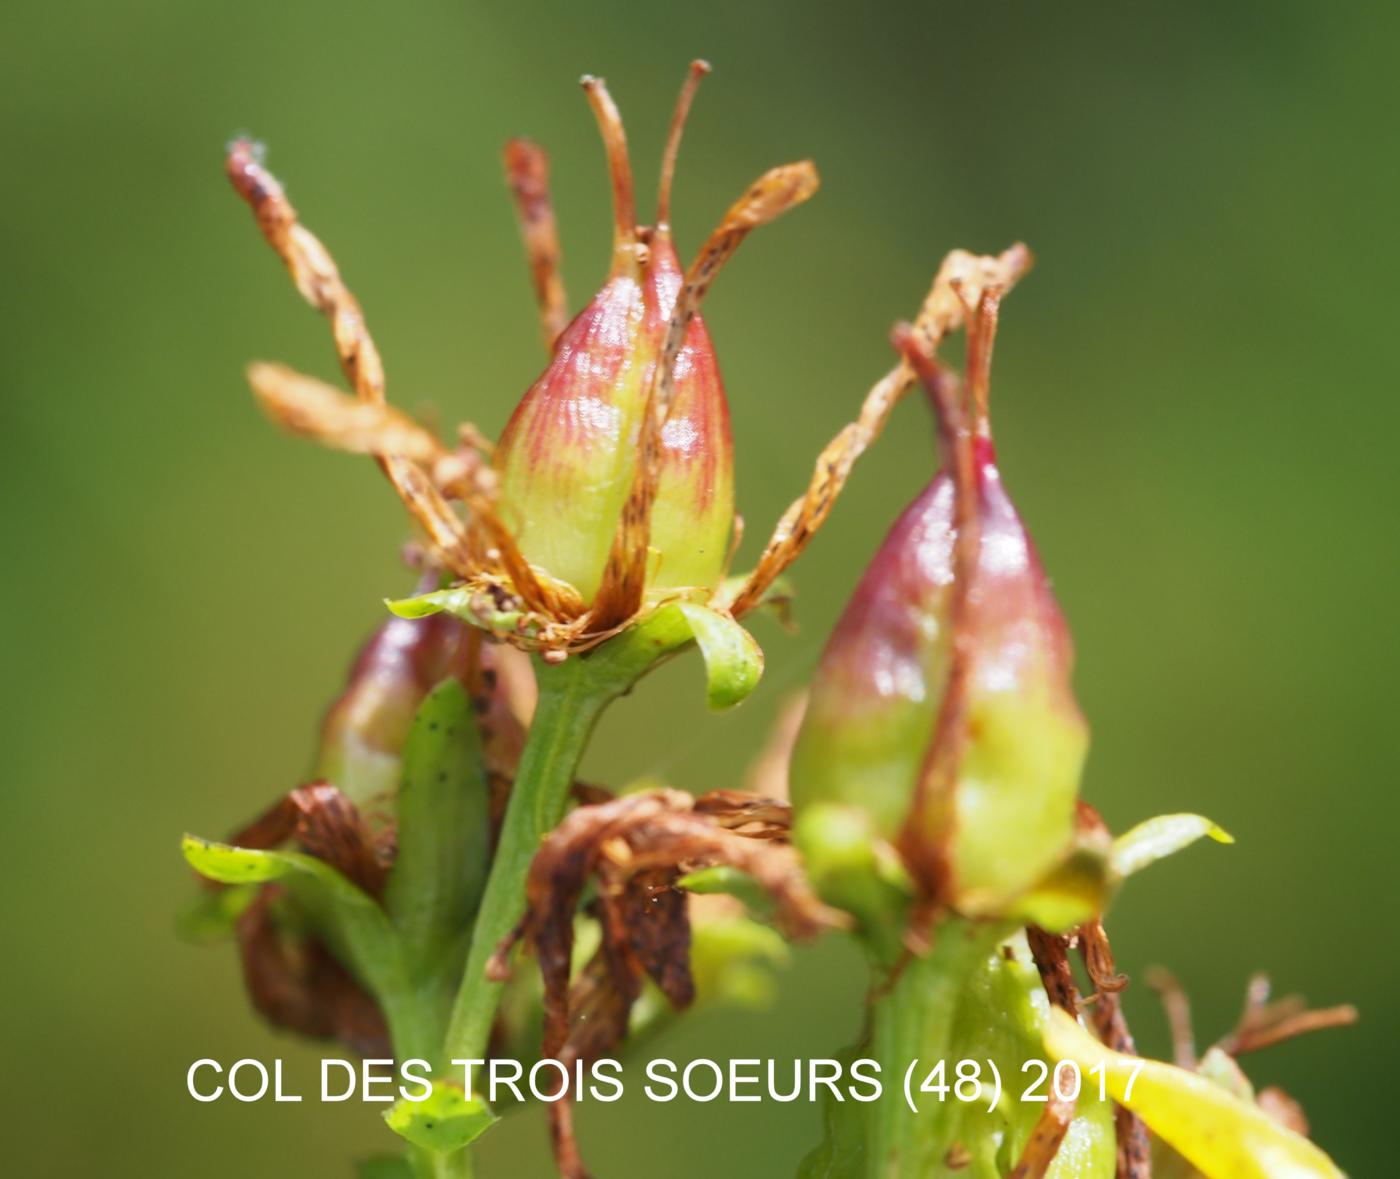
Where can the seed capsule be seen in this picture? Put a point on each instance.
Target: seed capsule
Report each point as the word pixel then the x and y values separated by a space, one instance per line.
pixel 942 706
pixel 569 455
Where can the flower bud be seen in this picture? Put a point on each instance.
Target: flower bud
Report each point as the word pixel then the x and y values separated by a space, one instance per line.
pixel 942 705
pixel 364 730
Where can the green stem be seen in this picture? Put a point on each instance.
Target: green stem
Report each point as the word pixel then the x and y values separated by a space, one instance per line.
pixel 564 719
pixel 916 1018
pixel 572 696
pixel 429 1164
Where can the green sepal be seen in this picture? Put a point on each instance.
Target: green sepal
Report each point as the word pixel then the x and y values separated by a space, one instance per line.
pixel 852 869
pixel 462 602
pixel 443 1122
pixel 1071 893
pixel 1157 838
pixel 733 659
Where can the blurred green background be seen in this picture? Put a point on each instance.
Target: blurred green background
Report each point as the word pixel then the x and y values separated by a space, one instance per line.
pixel 1195 398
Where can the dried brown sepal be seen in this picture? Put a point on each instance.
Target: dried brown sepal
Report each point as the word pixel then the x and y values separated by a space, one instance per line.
pixel 1283 1109
pixel 1134 1144
pixel 600 1004
pixel 937 783
pixel 1265 1022
pixel 1098 958
pixel 636 847
pixel 960 283
pixel 311 266
pixel 1044 1143
pixel 299 986
pixel 1178 1010
pixel 768 773
pixel 451 541
pixel 319 281
pixel 769 197
pixel 327 825
pixel 313 409
pixel 752 814
pixel 527 173
pixel 1051 955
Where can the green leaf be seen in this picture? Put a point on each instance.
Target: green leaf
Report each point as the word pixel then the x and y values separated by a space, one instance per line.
pixel 456 600
pixel 461 602
pixel 245 865
pixel 1222 1136
pixel 733 659
pixel 727 881
pixel 1157 838
pixel 443 827
pixel 445 1121
pixel 351 920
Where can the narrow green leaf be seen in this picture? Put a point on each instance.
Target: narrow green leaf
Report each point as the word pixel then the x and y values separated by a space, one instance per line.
pixel 351 921
pixel 1157 838
pixel 443 826
pixel 727 881
pixel 454 601
pixel 444 1121
pixel 461 602
pixel 733 659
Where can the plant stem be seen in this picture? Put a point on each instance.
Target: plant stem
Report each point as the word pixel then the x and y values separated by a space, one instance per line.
pixel 572 695
pixel 916 1019
pixel 429 1164
pixel 569 705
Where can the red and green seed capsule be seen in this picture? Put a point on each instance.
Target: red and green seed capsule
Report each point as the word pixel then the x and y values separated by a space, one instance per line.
pixel 984 783
pixel 569 454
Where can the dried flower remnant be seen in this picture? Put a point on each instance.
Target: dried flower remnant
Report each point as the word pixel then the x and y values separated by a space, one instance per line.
pixel 293 979
pixel 636 848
